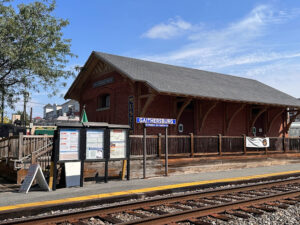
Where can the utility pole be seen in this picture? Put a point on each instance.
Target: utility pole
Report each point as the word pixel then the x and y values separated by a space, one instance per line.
pixel 31 115
pixel 26 94
pixel 2 106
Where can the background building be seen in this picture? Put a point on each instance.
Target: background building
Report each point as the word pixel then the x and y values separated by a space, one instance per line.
pixel 68 111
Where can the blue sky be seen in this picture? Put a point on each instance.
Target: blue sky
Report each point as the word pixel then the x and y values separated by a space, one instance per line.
pixel 253 39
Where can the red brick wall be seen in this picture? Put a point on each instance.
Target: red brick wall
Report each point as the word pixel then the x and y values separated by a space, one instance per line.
pixel 119 92
pixel 238 124
pixel 214 121
pixel 164 106
pixel 277 127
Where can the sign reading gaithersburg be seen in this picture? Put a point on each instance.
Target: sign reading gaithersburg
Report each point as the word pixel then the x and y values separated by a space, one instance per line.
pixel 155 120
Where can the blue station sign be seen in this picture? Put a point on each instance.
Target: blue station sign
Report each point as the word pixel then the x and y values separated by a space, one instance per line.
pixel 158 121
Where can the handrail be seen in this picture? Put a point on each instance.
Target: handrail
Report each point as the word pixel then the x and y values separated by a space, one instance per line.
pixel 29 156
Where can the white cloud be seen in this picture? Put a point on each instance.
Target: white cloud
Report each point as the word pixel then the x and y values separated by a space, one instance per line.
pixel 233 43
pixel 240 48
pixel 173 28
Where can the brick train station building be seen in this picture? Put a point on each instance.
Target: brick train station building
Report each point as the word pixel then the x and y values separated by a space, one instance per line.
pixel 118 89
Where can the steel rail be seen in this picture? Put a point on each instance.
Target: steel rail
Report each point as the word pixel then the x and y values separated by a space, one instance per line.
pixel 76 215
pixel 206 211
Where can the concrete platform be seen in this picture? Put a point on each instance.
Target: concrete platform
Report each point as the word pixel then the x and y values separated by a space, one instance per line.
pixel 15 200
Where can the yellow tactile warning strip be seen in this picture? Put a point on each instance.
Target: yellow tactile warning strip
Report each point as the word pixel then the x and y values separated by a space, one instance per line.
pixel 142 190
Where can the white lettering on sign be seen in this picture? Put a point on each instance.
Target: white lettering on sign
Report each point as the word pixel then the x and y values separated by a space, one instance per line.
pixel 155 120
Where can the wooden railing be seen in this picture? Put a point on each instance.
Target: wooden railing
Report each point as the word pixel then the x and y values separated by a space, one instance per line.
pixel 23 150
pixel 9 147
pixel 32 148
pixel 193 145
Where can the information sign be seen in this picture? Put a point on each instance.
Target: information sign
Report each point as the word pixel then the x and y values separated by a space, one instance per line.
pixel 34 172
pixel 155 120
pixel 94 144
pixel 69 144
pixel 72 173
pixel 117 143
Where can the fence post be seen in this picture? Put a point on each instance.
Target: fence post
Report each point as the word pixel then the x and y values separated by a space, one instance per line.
pixel 220 144
pixel 21 145
pixel 266 148
pixel 159 145
pixel 33 158
pixel 283 143
pixel 192 144
pixel 287 145
pixel 9 144
pixel 245 147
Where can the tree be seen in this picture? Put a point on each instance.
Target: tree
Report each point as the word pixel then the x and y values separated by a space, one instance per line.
pixel 6 120
pixel 33 53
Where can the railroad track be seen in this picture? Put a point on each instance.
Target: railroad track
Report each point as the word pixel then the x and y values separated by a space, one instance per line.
pixel 193 208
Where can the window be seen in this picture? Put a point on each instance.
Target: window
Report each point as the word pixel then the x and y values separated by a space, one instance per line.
pixel 103 101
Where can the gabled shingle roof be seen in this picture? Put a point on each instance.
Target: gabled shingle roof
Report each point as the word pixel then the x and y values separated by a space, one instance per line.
pixel 186 81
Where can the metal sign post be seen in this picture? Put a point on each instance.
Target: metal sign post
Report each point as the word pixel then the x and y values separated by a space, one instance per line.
pixel 144 152
pixel 166 153
pixel 155 122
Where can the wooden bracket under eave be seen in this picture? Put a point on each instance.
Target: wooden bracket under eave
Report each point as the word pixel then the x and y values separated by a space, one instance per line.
pixel 292 119
pixel 273 120
pixel 257 116
pixel 203 119
pixel 240 108
pixel 185 104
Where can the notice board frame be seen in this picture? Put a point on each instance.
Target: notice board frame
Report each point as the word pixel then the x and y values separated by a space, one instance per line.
pixel 127 153
pixel 56 150
pixel 83 128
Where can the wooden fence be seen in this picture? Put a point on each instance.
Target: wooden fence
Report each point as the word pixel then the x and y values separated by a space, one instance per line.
pixel 9 147
pixel 28 149
pixel 18 147
pixel 193 145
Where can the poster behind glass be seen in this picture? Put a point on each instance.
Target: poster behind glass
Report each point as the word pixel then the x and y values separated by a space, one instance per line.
pixel 68 144
pixel 94 144
pixel 117 143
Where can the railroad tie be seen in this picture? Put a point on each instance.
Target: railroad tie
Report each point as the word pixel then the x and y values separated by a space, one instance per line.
pixel 80 223
pixel 295 199
pixel 193 204
pixel 198 221
pixel 110 219
pixel 137 214
pixel 264 208
pixel 250 210
pixel 206 202
pixel 220 217
pixel 289 202
pixel 220 199
pixel 237 214
pixel 279 205
pixel 160 212
pixel 177 207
